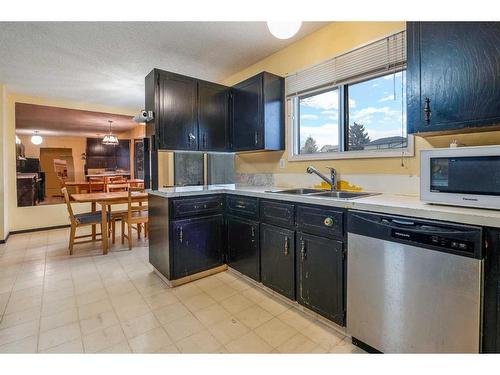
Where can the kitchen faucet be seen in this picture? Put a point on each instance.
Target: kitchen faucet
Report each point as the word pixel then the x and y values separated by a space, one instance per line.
pixel 332 181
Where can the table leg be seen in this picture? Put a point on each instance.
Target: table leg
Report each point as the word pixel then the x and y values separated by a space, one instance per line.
pixel 104 229
pixel 93 209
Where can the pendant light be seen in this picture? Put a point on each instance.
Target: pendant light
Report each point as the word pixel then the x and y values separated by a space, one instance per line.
pixel 283 30
pixel 36 139
pixel 110 139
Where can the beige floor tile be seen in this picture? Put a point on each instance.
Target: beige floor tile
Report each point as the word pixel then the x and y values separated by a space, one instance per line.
pixel 56 295
pixel 26 345
pixel 20 317
pixel 121 347
pixel 18 332
pixel 161 299
pixel 35 291
pixel 132 297
pixel 91 309
pixel 169 349
pixel 295 318
pixel 132 311
pixel 208 283
pixel 248 343
pixel 228 330
pixel 226 277
pixel 325 336
pixel 253 317
pixel 240 285
pixel 255 294
pixel 273 305
pixel 150 341
pixel 199 302
pixel 59 335
pixel 212 314
pixel 275 332
pixel 98 322
pixel 58 319
pixel 221 292
pixel 103 339
pixel 171 312
pixel 50 308
pixel 237 303
pixel 91 296
pixel 20 304
pixel 186 291
pixel 73 346
pixel 183 327
pixel 297 344
pixel 140 325
pixel 88 286
pixel 346 347
pixel 201 342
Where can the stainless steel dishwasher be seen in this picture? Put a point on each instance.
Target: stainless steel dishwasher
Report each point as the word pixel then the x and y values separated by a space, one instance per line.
pixel 413 286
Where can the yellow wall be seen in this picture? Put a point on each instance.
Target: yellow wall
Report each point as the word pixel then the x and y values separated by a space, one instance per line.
pixel 20 218
pixel 325 43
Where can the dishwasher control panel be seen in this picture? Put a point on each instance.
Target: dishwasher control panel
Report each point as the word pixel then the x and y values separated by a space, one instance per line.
pixel 434 240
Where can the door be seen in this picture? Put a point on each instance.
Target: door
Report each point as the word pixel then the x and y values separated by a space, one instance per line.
pixel 213 116
pixel 320 276
pixel 57 163
pixel 277 254
pixel 453 75
pixel 178 125
pixel 243 246
pixel 197 245
pixel 247 101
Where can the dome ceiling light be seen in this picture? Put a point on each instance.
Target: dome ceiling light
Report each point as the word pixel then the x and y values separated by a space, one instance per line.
pixel 284 30
pixel 36 139
pixel 110 139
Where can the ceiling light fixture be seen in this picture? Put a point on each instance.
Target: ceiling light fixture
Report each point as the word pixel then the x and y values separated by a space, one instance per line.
pixel 110 139
pixel 283 30
pixel 36 139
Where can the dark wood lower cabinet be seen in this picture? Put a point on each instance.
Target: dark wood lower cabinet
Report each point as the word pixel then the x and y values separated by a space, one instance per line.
pixel 491 310
pixel 197 244
pixel 320 275
pixel 277 252
pixel 243 246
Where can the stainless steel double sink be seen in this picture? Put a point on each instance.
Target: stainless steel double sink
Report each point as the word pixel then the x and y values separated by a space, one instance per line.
pixel 320 193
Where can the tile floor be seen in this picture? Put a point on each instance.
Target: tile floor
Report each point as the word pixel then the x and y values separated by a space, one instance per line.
pixel 88 303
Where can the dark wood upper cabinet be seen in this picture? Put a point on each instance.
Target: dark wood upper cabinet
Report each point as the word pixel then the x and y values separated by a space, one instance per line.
pixel 177 114
pixel 107 156
pixel 213 116
pixel 258 119
pixel 453 74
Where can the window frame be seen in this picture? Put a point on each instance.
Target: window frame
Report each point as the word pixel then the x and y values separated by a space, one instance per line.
pixel 293 126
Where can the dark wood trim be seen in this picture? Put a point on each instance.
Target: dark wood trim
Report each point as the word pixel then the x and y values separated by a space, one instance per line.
pixel 5 239
pixel 39 229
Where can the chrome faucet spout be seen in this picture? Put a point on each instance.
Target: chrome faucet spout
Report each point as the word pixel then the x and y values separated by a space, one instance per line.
pixel 332 181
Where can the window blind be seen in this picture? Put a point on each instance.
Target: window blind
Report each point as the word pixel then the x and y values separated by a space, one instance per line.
pixel 382 56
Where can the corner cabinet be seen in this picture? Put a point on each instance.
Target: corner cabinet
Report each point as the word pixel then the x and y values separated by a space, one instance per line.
pixel 190 114
pixel 258 116
pixel 453 75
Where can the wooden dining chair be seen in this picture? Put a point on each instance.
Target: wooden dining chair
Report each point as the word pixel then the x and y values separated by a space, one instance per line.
pixel 117 187
pixel 137 214
pixel 96 184
pixel 81 220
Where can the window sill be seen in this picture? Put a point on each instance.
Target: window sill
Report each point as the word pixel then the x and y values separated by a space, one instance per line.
pixel 407 152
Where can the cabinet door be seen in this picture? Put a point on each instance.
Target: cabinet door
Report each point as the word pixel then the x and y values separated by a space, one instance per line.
pixel 197 245
pixel 213 116
pixel 320 276
pixel 247 132
pixel 178 126
pixel 453 75
pixel 277 252
pixel 491 310
pixel 243 246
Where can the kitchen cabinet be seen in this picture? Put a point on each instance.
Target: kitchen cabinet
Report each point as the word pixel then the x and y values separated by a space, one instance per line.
pixel 453 75
pixel 258 121
pixel 277 249
pixel 100 156
pixel 320 275
pixel 243 251
pixel 197 244
pixel 491 324
pixel 213 116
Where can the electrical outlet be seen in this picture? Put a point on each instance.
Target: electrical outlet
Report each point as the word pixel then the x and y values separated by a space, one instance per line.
pixel 282 163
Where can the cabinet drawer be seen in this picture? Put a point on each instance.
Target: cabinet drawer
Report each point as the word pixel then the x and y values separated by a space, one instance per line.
pixel 278 213
pixel 320 221
pixel 197 206
pixel 242 206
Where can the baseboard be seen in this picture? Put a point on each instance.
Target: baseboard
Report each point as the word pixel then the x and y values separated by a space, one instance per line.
pixel 5 239
pixel 39 229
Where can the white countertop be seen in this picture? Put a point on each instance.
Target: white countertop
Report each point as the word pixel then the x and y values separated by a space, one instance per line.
pixel 407 205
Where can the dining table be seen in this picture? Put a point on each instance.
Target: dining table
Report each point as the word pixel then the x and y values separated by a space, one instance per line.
pixel 98 186
pixel 105 200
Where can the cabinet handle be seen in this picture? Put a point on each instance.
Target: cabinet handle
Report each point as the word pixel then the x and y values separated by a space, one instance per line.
pixel 181 235
pixel 427 111
pixel 204 140
pixel 286 246
pixel 256 138
pixel 253 232
pixel 240 206
pixel 191 138
pixel 303 249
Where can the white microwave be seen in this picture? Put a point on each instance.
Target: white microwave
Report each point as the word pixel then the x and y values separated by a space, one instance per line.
pixel 462 176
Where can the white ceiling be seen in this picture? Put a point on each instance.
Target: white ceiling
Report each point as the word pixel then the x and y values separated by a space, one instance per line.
pixel 106 62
